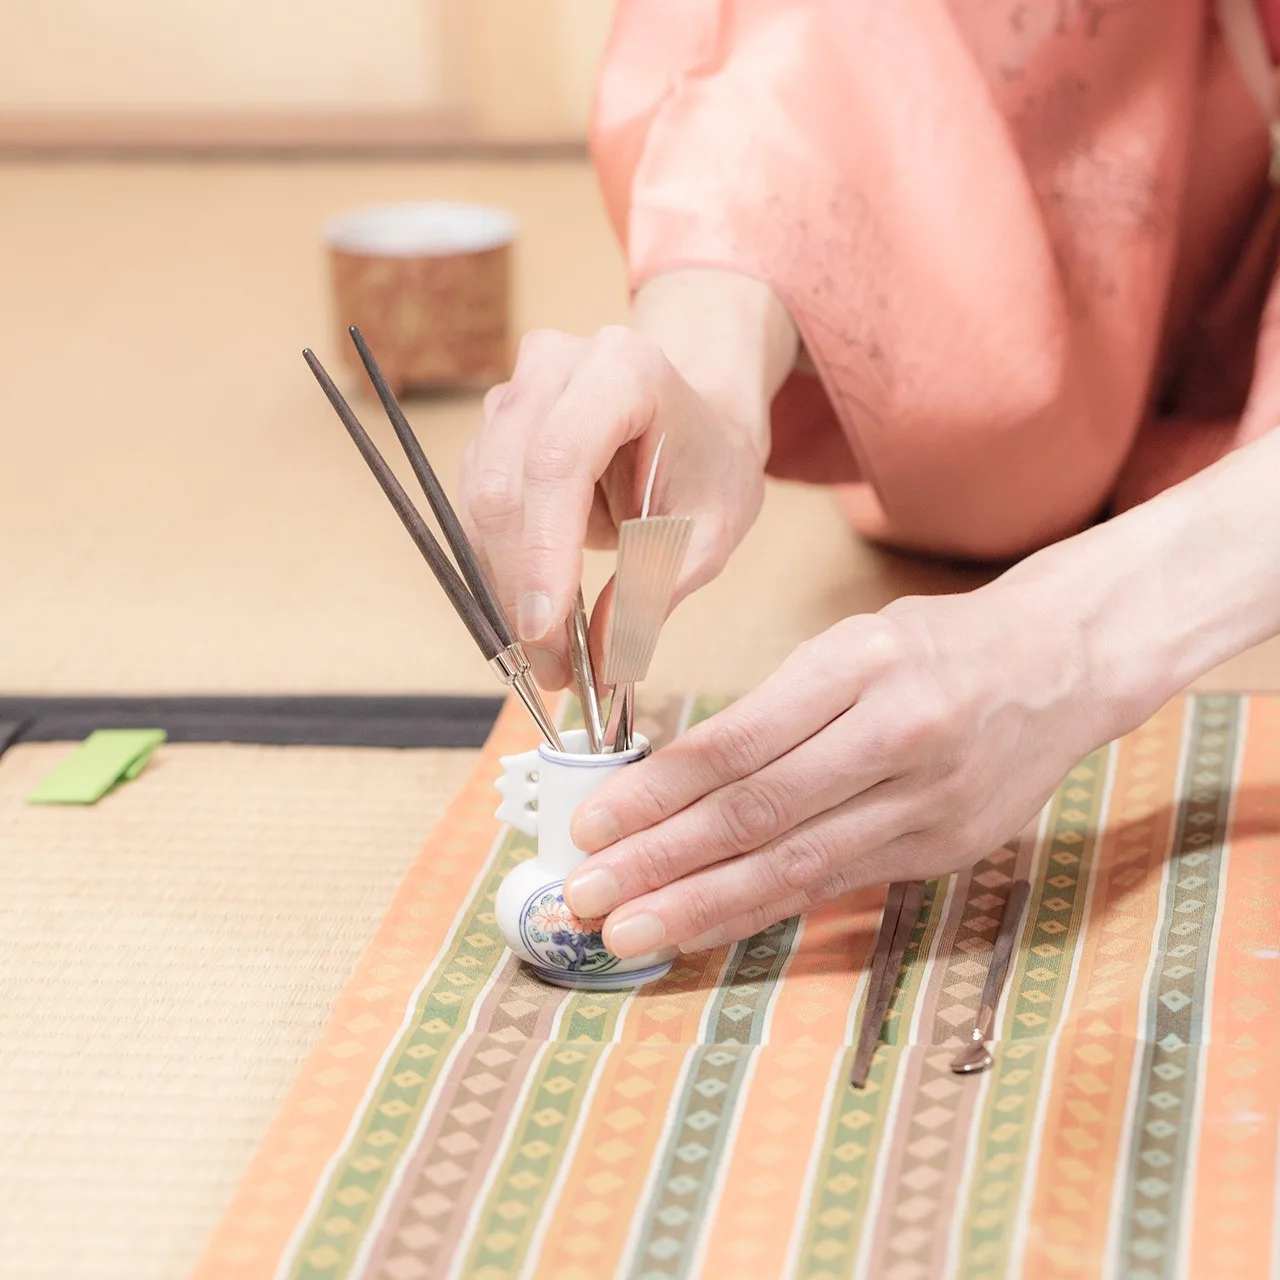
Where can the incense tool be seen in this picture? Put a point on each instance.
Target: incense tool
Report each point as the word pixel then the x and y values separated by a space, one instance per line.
pixel 651 552
pixel 470 593
pixel 975 1055
pixel 901 907
pixel 584 676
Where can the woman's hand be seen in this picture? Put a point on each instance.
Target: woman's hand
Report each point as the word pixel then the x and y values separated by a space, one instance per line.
pixel 912 742
pixel 567 444
pixel 894 746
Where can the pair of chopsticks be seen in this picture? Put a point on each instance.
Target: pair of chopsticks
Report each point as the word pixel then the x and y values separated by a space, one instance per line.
pixel 470 593
pixel 901 909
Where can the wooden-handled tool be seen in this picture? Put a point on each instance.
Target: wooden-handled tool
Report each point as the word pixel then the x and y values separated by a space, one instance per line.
pixel 473 600
pixel 901 907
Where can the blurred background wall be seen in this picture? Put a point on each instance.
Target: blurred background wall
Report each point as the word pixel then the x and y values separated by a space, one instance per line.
pixel 284 73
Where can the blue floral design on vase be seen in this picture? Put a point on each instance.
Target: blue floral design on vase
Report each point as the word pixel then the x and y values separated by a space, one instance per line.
pixel 570 948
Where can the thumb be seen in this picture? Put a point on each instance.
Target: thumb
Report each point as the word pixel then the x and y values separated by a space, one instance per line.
pixel 601 614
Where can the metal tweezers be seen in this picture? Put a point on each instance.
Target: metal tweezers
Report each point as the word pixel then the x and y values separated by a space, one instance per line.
pixel 901 907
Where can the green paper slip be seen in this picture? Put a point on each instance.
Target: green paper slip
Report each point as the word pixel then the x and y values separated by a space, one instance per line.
pixel 104 759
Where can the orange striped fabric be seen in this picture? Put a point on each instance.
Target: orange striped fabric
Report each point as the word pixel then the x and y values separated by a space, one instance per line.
pixel 459 1118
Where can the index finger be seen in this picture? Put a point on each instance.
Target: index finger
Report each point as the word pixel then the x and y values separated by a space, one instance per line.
pixel 611 400
pixel 814 686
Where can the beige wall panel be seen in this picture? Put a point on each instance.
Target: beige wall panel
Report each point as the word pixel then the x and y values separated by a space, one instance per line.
pixel 131 55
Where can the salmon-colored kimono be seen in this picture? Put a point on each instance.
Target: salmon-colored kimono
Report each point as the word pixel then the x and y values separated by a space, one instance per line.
pixel 1028 244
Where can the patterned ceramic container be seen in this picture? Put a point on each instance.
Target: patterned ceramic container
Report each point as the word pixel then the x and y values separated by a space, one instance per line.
pixel 540 792
pixel 430 287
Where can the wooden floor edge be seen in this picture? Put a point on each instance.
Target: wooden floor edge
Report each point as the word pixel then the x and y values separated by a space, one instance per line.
pixel 70 134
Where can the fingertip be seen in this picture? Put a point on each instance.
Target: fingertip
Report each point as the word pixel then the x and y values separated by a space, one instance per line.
pixel 705 941
pixel 550 669
pixel 593 828
pixel 533 617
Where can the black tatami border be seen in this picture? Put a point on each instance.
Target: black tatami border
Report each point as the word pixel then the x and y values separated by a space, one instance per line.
pixel 318 721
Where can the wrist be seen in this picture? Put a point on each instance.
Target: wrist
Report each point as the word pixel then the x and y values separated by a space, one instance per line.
pixel 729 337
pixel 1153 599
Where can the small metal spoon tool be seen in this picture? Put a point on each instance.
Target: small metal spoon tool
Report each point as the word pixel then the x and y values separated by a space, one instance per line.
pixel 974 1055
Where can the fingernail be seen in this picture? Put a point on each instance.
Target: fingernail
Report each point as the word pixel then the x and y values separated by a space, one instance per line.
pixel 534 616
pixel 594 829
pixel 547 671
pixel 635 936
pixel 704 941
pixel 591 892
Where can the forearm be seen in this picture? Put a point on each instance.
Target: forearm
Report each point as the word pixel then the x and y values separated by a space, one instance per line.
pixel 1170 589
pixel 728 336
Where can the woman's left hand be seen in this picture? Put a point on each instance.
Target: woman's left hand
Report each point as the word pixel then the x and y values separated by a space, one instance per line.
pixel 895 746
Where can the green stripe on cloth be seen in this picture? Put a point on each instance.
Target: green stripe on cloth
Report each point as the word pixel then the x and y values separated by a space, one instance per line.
pixel 1167 1076
pixel 852 1143
pixel 1037 992
pixel 696 1138
pixel 594 1019
pixel 408 1081
pixel 336 1229
pixel 534 1156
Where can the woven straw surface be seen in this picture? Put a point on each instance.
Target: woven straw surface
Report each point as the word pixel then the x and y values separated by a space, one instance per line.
pixel 179 512
pixel 167 958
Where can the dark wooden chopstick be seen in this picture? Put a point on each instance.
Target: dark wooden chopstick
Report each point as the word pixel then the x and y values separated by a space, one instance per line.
pixel 901 907
pixel 459 543
pixel 464 604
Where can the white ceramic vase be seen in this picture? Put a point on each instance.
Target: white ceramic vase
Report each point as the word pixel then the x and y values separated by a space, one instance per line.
pixel 540 792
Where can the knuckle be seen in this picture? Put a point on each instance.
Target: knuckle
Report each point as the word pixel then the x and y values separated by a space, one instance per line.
pixel 757 919
pixel 881 642
pixel 731 749
pixel 549 461
pixel 632 361
pixel 803 861
pixel 700 909
pixel 926 721
pixel 652 864
pixel 537 344
pixel 817 649
pixel 493 399
pixel 873 637
pixel 647 802
pixel 750 815
pixel 495 498
pixel 829 887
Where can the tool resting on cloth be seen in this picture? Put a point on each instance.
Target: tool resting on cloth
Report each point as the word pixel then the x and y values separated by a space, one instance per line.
pixel 456 1113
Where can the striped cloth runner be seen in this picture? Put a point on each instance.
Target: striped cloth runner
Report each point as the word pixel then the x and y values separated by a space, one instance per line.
pixel 459 1118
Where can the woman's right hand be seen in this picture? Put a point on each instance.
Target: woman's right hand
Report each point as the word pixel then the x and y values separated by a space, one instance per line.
pixel 564 456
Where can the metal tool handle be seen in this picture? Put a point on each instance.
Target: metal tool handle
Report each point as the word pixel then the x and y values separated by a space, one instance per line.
pixel 1001 954
pixel 620 729
pixel 626 720
pixel 902 907
pixel 584 674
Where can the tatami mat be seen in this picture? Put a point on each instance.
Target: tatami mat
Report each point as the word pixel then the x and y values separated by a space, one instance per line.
pixel 179 512
pixel 167 959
